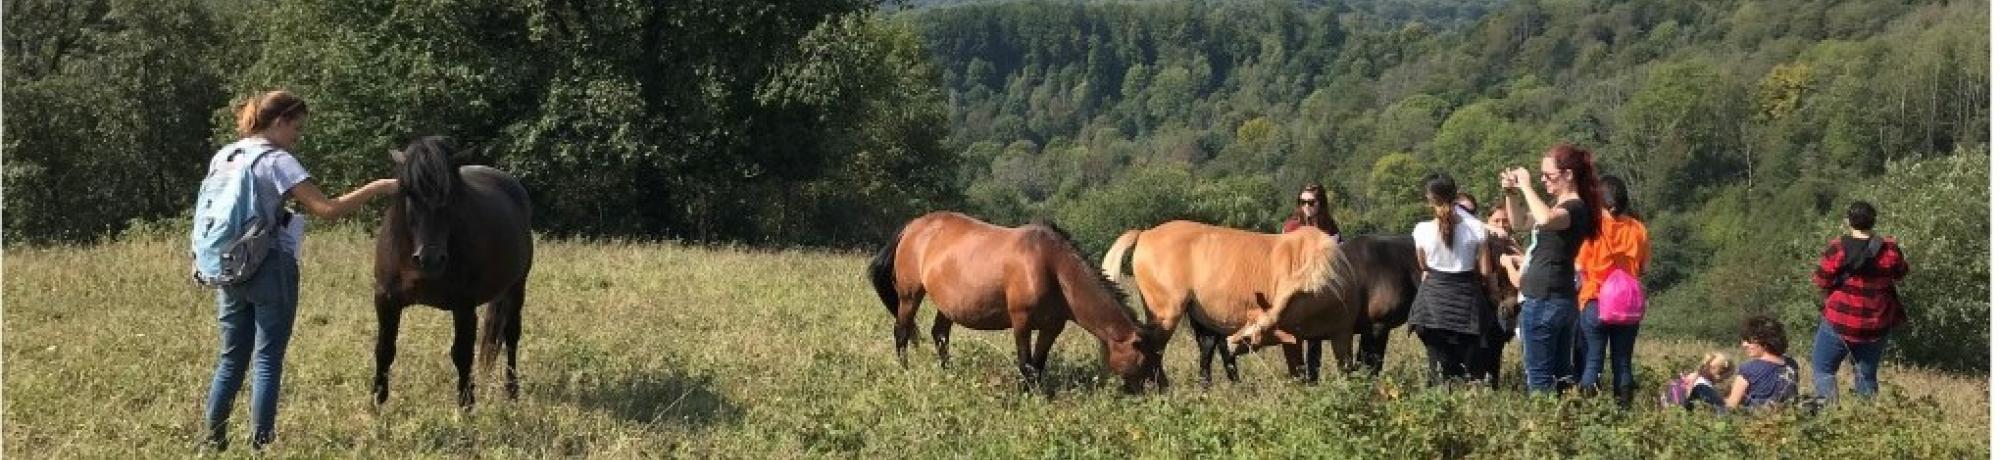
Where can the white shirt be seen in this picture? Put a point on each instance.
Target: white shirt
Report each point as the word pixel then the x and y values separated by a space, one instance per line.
pixel 1463 255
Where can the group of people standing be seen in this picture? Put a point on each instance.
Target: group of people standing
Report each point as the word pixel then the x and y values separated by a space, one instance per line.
pixel 1480 289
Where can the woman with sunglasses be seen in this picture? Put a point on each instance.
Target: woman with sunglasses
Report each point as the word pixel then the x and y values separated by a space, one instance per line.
pixel 1311 212
pixel 1548 279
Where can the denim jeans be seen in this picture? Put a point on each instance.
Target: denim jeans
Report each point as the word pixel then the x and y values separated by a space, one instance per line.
pixel 1547 326
pixel 1829 349
pixel 256 326
pixel 1597 338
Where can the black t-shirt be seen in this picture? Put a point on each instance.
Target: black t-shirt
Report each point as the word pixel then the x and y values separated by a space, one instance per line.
pixel 1551 266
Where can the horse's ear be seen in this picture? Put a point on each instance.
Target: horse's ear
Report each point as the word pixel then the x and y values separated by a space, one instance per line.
pixel 397 156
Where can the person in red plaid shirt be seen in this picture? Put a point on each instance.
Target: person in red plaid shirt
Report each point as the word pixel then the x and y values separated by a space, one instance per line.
pixel 1858 273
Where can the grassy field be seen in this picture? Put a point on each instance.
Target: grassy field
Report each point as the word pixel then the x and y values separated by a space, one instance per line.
pixel 649 350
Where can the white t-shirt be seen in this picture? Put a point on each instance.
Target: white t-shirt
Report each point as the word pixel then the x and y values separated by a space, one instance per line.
pixel 1463 255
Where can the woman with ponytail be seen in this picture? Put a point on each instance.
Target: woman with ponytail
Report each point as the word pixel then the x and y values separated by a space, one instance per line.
pixel 255 315
pixel 1548 280
pixel 1452 313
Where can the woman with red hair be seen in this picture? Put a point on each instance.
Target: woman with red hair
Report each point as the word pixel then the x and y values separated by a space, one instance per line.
pixel 1548 278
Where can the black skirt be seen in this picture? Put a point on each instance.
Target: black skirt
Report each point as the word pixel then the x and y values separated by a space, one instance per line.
pixel 1455 302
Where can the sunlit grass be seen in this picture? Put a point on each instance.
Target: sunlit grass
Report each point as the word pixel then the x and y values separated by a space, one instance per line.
pixel 645 350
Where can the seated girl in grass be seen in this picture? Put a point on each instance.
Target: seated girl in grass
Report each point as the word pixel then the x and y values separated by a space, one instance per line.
pixel 1698 388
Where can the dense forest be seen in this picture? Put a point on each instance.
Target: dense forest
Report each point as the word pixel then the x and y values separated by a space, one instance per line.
pixel 1743 125
pixel 756 121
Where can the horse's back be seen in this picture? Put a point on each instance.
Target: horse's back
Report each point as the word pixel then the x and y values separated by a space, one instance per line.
pixel 1222 271
pixel 501 213
pixel 498 190
pixel 966 266
pixel 1384 270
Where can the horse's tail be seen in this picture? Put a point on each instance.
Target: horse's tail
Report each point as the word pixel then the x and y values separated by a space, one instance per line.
pixel 1114 260
pixel 882 272
pixel 500 315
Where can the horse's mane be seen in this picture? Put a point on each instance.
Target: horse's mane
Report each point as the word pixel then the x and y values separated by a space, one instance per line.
pixel 1315 273
pixel 428 175
pixel 1110 285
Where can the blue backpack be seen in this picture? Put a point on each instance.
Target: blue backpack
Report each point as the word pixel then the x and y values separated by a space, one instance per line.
pixel 231 235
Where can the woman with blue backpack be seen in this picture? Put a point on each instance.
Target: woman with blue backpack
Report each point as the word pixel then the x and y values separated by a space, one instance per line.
pixel 1613 301
pixel 246 246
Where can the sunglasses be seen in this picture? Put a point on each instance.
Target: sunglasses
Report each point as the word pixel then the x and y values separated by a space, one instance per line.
pixel 1308 202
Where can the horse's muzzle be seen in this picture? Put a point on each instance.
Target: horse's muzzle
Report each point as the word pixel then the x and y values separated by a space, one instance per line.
pixel 429 259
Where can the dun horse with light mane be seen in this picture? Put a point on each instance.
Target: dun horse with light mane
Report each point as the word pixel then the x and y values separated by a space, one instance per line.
pixel 1029 279
pixel 1296 289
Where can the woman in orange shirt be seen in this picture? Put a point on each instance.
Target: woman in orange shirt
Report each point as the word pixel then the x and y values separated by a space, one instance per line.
pixel 1621 244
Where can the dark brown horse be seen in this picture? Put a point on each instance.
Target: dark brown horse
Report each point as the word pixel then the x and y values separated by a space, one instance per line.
pixel 1029 279
pixel 1379 275
pixel 457 238
pixel 1381 272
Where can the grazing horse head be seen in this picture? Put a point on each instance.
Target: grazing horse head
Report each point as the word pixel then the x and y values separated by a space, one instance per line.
pixel 1136 358
pixel 430 182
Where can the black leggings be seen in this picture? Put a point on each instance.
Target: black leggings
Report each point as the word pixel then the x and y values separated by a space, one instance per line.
pixel 1455 356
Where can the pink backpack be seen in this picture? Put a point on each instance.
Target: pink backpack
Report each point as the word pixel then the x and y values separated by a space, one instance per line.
pixel 1621 301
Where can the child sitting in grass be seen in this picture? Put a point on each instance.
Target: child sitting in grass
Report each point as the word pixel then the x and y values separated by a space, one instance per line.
pixel 1697 388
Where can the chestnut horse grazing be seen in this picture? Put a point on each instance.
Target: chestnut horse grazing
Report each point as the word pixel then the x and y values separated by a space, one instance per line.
pixel 1257 287
pixel 457 237
pixel 1029 279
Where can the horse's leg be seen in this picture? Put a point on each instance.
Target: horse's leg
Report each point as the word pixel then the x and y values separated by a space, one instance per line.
pixel 1343 351
pixel 1209 343
pixel 388 318
pixel 1295 361
pixel 464 332
pixel 511 335
pixel 1374 348
pixel 1313 360
pixel 1024 355
pixel 1045 341
pixel 906 327
pixel 941 336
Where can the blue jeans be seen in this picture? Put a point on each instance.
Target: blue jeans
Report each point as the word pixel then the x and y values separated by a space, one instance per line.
pixel 1829 349
pixel 256 325
pixel 1597 337
pixel 1546 328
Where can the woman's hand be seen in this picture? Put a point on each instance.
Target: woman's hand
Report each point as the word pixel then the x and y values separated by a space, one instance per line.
pixel 1519 176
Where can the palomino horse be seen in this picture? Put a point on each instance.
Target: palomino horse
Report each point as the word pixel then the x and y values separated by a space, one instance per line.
pixel 1233 281
pixel 1029 278
pixel 1261 286
pixel 457 238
